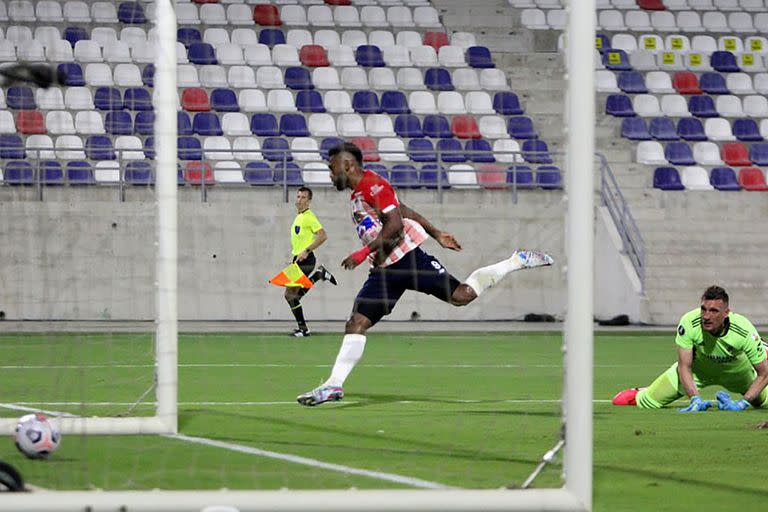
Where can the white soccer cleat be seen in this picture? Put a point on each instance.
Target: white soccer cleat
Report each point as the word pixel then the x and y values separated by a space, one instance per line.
pixel 321 395
pixel 532 259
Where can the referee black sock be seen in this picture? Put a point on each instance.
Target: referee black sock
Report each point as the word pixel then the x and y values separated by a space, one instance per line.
pixel 298 313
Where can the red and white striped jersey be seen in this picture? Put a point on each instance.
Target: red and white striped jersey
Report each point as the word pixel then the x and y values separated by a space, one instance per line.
pixel 372 196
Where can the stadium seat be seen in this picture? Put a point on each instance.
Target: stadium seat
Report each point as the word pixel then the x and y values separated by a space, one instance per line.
pixel 206 123
pixel 433 176
pixel 271 37
pixel 619 105
pixel 287 173
pixel 408 125
pixel 247 149
pixel 31 121
pixel 108 98
pixel 535 151
pixel 713 83
pixel 695 178
pixel 450 150
pixel 117 123
pixel 224 100
pixel 691 129
pixel 394 102
pixel 662 128
pixel 706 153
pixel 366 102
pixel 309 101
pixel 252 100
pixel 650 152
pixel 438 79
pixel 258 173
pixel 19 173
pixel 137 98
pixel 143 123
pixel 718 129
pixel 79 172
pixel 313 56
pixel 368 148
pixel 465 127
pixel 148 75
pixel 195 100
pixel 138 173
pixel 131 13
pixel 739 83
pixel 235 123
pixel 752 179
pixel 350 125
pixel 369 56
pixel 326 78
pixel 75 34
pixel 198 173
pixel 379 125
pixel 99 147
pixel 404 176
pixel 241 77
pixel 736 154
pixel 616 60
pixel 679 153
pixel 667 178
pixel 11 146
pixel 632 82
pixel 421 150
pixel 20 98
pixel 353 39
pixel 746 130
pixel 217 148
pixel 479 150
pixel 686 82
pixel 723 178
pixel 634 128
pixel 521 128
pixel 646 105
pixel 724 62
pixel 293 125
pixel 264 125
pixel 702 106
pixel 507 150
pixel 127 75
pixel 338 102
pixel 305 149
pixel 188 36
pixel 322 125
pixel 437 126
pixel 267 15
pixel 298 78
pixel 392 150
pixel 78 98
pixel 549 177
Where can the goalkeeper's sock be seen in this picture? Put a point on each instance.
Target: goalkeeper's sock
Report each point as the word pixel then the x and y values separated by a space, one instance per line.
pixel 485 277
pixel 349 354
pixel 298 313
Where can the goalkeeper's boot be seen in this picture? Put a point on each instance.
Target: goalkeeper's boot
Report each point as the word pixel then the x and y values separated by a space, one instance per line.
pixel 325 275
pixel 626 397
pixel 532 259
pixel 321 395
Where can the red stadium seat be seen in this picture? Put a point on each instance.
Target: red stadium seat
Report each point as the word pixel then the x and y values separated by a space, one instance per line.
pixel 267 15
pixel 686 82
pixel 436 39
pixel 752 178
pixel 465 127
pixel 195 100
pixel 492 176
pixel 205 1
pixel 651 5
pixel 735 154
pixel 30 122
pixel 368 147
pixel 338 2
pixel 313 55
pixel 197 171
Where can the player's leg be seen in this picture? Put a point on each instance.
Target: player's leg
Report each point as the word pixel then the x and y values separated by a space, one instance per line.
pixel 662 391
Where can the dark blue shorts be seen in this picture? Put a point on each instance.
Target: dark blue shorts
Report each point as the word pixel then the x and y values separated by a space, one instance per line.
pixel 417 271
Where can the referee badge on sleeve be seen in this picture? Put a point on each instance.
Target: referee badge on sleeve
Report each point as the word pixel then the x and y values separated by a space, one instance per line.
pixel 680 330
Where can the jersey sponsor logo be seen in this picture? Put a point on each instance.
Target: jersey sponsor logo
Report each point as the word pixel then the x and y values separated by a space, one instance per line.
pixel 719 359
pixel 297 229
pixel 681 330
pixel 375 189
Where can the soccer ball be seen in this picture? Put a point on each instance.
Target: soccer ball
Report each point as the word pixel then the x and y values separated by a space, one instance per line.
pixel 37 436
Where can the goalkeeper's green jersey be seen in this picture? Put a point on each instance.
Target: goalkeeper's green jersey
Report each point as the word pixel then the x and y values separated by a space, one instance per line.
pixel 737 349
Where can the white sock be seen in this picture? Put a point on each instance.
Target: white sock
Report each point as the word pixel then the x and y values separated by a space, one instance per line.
pixel 349 354
pixel 485 277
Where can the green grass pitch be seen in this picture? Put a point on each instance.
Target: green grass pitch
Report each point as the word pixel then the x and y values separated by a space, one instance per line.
pixel 473 410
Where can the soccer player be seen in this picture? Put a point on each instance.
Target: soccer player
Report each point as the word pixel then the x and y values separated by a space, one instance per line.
pixel 391 234
pixel 307 234
pixel 715 346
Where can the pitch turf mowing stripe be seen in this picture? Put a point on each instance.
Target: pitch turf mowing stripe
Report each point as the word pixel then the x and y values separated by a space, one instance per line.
pixel 389 477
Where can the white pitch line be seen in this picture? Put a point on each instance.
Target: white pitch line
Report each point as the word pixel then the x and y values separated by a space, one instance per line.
pixel 24 407
pixel 305 461
pixel 28 405
pixel 268 365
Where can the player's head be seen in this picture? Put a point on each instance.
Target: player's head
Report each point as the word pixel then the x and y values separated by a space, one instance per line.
pixel 303 198
pixel 714 308
pixel 345 161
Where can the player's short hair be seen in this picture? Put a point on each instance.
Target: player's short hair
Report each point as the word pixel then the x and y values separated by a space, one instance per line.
pixel 307 190
pixel 715 292
pixel 347 147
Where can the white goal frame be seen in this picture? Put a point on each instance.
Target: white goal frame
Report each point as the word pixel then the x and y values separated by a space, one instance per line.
pixel 575 495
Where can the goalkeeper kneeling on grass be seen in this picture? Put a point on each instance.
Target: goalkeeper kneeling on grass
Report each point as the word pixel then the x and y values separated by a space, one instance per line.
pixel 715 347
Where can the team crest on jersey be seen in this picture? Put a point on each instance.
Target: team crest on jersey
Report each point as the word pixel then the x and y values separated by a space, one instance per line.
pixel 680 330
pixel 375 189
pixel 297 229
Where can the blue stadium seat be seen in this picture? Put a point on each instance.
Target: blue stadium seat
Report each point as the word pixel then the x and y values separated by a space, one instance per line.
pixel 309 101
pixel 118 123
pixel 368 55
pixel 421 150
pixel 667 178
pixel 148 75
pixel 690 128
pixel 724 61
pixel 149 152
pixel 521 128
pixel 634 128
pixel 11 146
pixel 19 173
pixel 20 98
pixel 289 173
pixel 746 130
pixel 450 150
pixel 602 42
pixel 271 37
pixel 479 57
pixel 70 74
pixel 108 98
pixel 206 123
pixel 758 154
pixel 201 54
pixel 137 98
pixel 507 104
pixel 434 176
pixel 616 60
pixel 437 126
pixel 188 36
pixel 438 79
pixel 619 105
pixel 276 149
pixel 189 148
pixel 327 143
pixel 224 100
pixel 298 78
pixel 632 82
pixel 479 150
pixel 723 178
pixel 75 34
pixel 99 147
pixel 258 173
pixel 131 13
pixel 144 123
pixel 183 123
pixel 520 175
pixel 366 102
pixel 394 102
pixel 138 172
pixel 293 125
pixel 79 172
pixel 663 128
pixel 549 177
pixel 702 106
pixel 679 153
pixel 264 125
pixel 713 83
pixel 535 151
pixel 378 169
pixel 408 125
pixel 404 176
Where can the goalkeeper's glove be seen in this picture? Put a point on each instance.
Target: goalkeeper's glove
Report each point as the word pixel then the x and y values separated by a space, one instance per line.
pixel 697 405
pixel 724 402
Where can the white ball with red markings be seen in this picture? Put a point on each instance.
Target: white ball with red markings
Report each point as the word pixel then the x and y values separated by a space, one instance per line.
pixel 37 436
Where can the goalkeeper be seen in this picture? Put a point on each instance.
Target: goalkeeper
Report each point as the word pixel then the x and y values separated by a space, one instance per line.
pixel 715 346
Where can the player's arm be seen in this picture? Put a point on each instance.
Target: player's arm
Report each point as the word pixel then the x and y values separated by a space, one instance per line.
pixel 390 235
pixel 445 239
pixel 685 371
pixel 758 385
pixel 320 238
